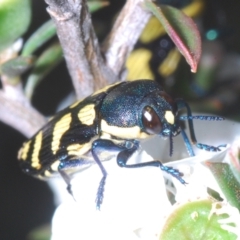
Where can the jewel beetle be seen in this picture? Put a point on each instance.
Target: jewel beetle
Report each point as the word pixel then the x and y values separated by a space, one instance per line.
pixel 112 120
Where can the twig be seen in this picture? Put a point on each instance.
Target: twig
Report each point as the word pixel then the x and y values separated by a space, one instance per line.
pixel 80 46
pixel 18 113
pixel 15 108
pixel 125 33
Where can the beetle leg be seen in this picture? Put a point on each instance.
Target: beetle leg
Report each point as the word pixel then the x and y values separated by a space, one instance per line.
pixel 124 155
pixel 68 163
pixel 67 180
pixel 102 144
pixel 210 148
pixel 187 143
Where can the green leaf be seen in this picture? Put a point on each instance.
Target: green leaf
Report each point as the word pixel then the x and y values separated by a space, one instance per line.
pixel 96 5
pixel 194 221
pixel 44 64
pixel 39 37
pixel 181 29
pixel 16 66
pixel 15 16
pixel 227 182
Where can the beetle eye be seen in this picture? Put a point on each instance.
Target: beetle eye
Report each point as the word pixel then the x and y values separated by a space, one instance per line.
pixel 151 121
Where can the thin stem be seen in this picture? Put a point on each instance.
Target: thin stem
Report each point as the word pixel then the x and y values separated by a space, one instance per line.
pixel 18 113
pixel 125 33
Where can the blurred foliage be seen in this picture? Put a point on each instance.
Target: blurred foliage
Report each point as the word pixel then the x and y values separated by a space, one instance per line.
pixel 197 220
pixel 15 17
pixel 40 233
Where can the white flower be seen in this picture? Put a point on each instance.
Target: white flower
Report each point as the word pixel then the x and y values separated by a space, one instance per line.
pixel 135 200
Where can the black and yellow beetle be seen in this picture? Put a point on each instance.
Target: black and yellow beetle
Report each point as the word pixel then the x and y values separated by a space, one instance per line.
pixel 111 120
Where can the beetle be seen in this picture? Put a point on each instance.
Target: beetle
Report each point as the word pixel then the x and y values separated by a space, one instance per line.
pixel 112 120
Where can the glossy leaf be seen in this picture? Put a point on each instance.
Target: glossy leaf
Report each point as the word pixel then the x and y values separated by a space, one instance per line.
pixel 196 220
pixel 227 182
pixel 182 30
pixel 15 16
pixel 45 63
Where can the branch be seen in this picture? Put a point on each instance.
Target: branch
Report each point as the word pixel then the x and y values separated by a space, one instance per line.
pixel 16 110
pixel 125 33
pixel 80 46
pixel 18 113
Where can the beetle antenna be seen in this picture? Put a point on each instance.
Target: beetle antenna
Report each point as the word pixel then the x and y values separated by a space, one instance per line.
pixel 171 145
pixel 201 117
pixel 189 117
pixel 183 104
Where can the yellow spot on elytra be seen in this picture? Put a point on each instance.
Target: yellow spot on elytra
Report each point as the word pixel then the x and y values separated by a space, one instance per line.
pixel 23 152
pixel 59 129
pixel 55 165
pixel 47 173
pixel 125 133
pixel 87 114
pixel 169 117
pixel 36 149
pixel 77 149
pixel 138 65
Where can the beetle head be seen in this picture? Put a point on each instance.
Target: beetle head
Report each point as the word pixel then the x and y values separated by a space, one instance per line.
pixel 159 115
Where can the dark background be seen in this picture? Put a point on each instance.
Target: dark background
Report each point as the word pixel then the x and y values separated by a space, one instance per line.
pixel 27 203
